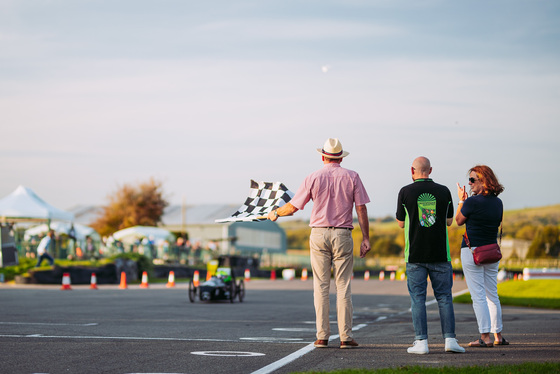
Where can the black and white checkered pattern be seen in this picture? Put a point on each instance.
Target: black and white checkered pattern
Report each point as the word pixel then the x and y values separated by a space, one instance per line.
pixel 263 198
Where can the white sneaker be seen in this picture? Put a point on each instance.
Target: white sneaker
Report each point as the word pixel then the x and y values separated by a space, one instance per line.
pixel 420 347
pixel 451 345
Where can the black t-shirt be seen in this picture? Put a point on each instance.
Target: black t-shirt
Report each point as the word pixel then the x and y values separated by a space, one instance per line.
pixel 484 215
pixel 424 206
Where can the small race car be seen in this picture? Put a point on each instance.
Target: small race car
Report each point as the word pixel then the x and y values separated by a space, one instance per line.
pixel 221 286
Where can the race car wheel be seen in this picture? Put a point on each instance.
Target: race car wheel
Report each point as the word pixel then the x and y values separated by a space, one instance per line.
pixel 232 291
pixel 192 291
pixel 241 290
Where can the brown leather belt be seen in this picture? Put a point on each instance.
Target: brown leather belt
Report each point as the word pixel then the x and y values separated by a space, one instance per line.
pixel 333 227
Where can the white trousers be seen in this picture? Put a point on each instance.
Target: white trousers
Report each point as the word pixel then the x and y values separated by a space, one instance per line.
pixel 482 281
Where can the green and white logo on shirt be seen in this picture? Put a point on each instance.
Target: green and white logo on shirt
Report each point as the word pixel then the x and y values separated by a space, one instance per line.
pixel 426 209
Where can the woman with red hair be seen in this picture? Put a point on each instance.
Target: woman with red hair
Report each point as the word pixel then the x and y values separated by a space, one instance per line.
pixel 482 213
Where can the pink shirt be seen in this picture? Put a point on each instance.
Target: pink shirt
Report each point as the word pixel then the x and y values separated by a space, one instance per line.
pixel 334 191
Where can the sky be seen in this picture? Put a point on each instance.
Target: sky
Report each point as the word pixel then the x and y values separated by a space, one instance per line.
pixel 204 96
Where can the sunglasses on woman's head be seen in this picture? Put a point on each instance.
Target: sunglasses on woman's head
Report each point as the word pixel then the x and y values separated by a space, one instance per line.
pixel 472 180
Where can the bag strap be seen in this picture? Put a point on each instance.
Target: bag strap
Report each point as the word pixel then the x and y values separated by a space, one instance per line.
pixel 467 239
pixel 501 232
pixel 469 243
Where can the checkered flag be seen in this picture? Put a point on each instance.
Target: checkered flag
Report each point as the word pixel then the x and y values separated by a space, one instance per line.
pixel 263 198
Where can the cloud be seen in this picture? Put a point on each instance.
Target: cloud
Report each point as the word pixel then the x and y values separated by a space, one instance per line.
pixel 306 29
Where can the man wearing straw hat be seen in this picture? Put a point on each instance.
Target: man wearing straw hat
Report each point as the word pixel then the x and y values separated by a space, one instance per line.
pixel 334 191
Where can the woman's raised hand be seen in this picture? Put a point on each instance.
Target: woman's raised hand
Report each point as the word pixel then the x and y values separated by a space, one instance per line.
pixel 461 191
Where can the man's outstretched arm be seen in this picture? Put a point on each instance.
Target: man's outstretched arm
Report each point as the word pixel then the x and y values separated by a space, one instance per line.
pixel 285 210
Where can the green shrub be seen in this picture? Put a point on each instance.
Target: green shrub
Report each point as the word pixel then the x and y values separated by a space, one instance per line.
pixel 24 265
pixel 143 263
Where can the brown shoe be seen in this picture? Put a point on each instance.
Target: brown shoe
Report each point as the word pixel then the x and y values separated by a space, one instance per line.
pixel 321 343
pixel 349 344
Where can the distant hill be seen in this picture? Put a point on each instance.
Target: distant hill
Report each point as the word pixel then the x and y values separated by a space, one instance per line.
pixel 545 215
pixel 514 220
pixel 522 224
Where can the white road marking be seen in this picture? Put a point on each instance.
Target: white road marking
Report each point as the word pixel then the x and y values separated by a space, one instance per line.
pixel 358 327
pixel 252 340
pixel 270 339
pixel 434 301
pixel 114 338
pixel 462 292
pixel 227 354
pixel 48 324
pixel 286 360
pixel 297 354
pixel 294 329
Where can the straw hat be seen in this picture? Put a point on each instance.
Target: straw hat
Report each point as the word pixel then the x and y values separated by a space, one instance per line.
pixel 332 149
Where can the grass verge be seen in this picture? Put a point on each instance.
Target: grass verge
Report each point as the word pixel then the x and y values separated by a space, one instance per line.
pixel 526 368
pixel 537 293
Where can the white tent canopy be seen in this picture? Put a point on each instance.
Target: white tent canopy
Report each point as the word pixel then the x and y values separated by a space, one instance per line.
pixel 134 233
pixel 81 231
pixel 23 203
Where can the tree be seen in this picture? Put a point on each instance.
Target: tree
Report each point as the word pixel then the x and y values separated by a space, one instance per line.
pixel 455 234
pixel 546 243
pixel 386 246
pixel 140 205
pixel 527 232
pixel 298 238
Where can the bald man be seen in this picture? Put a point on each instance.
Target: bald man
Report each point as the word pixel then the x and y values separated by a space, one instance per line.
pixel 424 210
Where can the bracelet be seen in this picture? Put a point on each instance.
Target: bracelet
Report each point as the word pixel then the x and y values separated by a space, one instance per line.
pixel 275 213
pixel 461 201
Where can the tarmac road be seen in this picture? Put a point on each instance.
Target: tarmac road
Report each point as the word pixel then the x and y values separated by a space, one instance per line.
pixel 157 330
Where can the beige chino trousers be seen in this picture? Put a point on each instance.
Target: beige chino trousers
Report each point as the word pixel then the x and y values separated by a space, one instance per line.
pixel 331 247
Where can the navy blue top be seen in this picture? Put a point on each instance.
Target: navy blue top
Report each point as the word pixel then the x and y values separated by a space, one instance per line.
pixel 484 215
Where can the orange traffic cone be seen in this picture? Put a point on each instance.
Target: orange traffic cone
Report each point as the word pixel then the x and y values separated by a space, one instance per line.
pixel 208 275
pixel 171 279
pixel 403 276
pixel 381 275
pixel 93 284
pixel 392 276
pixel 273 274
pixel 304 274
pixel 66 282
pixel 514 276
pixel 196 278
pixel 144 283
pixel 247 275
pixel 366 275
pixel 123 285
